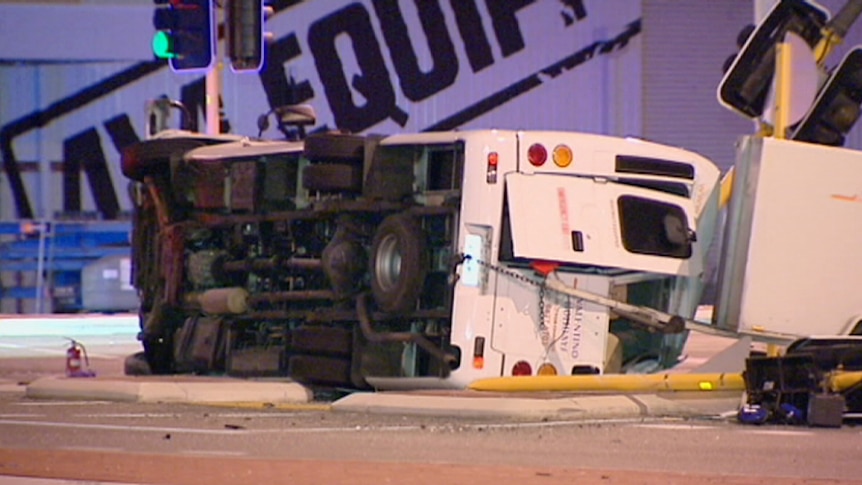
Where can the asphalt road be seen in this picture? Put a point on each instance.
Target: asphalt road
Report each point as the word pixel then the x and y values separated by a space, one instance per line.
pixel 180 443
pixel 158 443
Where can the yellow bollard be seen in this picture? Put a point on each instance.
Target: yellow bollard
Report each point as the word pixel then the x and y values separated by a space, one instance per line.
pixel 613 382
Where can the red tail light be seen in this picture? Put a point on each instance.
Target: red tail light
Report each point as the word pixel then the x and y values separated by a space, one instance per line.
pixel 479 352
pixel 537 155
pixel 522 368
pixel 491 173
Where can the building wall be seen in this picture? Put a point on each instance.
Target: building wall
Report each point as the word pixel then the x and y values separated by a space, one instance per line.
pixel 685 45
pixel 530 65
pixel 646 68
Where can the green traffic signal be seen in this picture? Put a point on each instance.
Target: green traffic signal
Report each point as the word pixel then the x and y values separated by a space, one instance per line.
pixel 163 45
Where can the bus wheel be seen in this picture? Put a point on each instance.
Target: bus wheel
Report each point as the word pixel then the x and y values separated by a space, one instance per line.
pixel 399 261
pixel 137 365
pixel 159 355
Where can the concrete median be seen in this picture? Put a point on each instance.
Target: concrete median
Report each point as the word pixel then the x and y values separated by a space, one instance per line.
pixel 464 404
pixel 575 407
pixel 188 389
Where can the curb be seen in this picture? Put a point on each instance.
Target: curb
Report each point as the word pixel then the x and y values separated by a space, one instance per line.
pixel 240 393
pixel 7 387
pixel 575 407
pixel 168 390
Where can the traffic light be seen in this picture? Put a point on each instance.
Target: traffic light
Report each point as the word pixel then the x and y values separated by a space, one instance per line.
pixel 837 106
pixel 163 20
pixel 185 33
pixel 748 78
pixel 245 33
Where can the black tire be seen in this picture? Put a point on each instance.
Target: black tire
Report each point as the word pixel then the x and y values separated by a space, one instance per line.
pixel 399 262
pixel 154 156
pixel 159 355
pixel 137 365
pixel 157 323
pixel 332 177
pixel 334 147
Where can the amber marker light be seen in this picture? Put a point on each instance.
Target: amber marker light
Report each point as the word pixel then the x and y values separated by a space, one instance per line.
pixel 562 156
pixel 546 369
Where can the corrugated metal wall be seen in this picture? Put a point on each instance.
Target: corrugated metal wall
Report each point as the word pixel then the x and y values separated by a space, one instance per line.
pixel 547 66
pixel 685 44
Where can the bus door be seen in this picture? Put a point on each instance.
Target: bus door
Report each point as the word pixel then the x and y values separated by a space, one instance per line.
pixel 591 230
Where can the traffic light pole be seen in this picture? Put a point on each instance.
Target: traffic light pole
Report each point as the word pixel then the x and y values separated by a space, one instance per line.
pixel 213 85
pixel 213 94
pixel 783 89
pixel 187 36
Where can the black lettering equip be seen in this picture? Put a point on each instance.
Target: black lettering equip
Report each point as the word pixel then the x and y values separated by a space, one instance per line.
pixel 373 82
pixel 357 103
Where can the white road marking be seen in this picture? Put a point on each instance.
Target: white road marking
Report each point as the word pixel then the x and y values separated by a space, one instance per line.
pixel 100 449
pixel 675 427
pixel 551 424
pixel 128 415
pixel 60 403
pixel 212 453
pixel 164 429
pixel 110 427
pixel 244 431
pixel 780 432
pixel 252 415
pixel 175 415
pixel 299 430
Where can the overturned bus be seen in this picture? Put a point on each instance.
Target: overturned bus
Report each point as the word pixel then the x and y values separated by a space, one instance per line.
pixel 415 260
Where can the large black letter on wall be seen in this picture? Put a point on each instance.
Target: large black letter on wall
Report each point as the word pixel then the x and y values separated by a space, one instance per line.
pixel 279 90
pixel 473 34
pixel 506 24
pixel 415 84
pixel 372 82
pixel 85 150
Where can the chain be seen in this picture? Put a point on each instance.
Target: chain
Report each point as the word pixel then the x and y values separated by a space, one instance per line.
pixel 542 289
pixel 675 324
pixel 568 311
pixel 525 279
pixel 504 271
pixel 542 306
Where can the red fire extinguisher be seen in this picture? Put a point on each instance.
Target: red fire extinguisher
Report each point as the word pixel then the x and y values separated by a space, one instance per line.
pixel 74 367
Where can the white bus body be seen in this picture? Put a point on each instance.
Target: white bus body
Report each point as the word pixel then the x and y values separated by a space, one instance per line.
pixel 435 249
